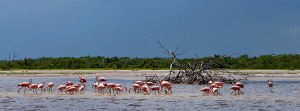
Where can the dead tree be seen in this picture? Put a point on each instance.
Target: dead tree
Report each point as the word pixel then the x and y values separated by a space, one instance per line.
pixel 173 55
pixel 201 72
pixel 198 71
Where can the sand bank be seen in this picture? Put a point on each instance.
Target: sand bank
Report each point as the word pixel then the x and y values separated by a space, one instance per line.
pixel 256 73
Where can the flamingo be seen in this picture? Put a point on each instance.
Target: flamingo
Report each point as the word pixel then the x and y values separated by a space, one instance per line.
pixel 71 89
pixel 270 83
pixel 166 84
pixel 95 85
pixel 118 89
pixel 210 82
pixel 105 84
pixel 81 88
pixel 241 85
pixel 111 86
pixel 61 88
pixel 50 85
pixel 211 86
pixel 33 87
pixel 235 88
pixel 215 90
pixel 41 86
pixel 101 79
pixel 138 82
pixel 69 83
pixel 218 85
pixel 150 83
pixel 155 88
pixel 145 88
pixel 205 90
pixel 82 80
pixel 100 88
pixel 135 87
pixel 122 87
pixel 24 85
pixel 170 89
pixel 77 87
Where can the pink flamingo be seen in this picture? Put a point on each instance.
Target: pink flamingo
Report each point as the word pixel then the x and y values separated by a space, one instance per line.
pixel 218 85
pixel 69 83
pixel 41 86
pixel 100 88
pixel 76 86
pixel 111 86
pixel 155 88
pixel 145 88
pixel 211 86
pixel 169 89
pixel 210 82
pixel 205 90
pixel 33 87
pixel 140 83
pixel 150 83
pixel 101 79
pixel 235 88
pixel 118 89
pixel 61 88
pixel 95 85
pixel 166 84
pixel 50 85
pixel 122 87
pixel 215 91
pixel 270 83
pixel 82 80
pixel 71 89
pixel 135 87
pixel 241 85
pixel 24 85
pixel 81 88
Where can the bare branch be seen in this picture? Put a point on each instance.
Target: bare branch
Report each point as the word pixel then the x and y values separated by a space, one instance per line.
pixel 182 52
pixel 161 46
pixel 176 49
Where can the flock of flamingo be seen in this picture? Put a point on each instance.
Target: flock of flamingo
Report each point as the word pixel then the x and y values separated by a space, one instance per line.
pixel 215 87
pixel 102 87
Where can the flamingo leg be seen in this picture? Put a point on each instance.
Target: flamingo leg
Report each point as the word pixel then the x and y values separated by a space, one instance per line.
pixel 125 88
pixel 20 89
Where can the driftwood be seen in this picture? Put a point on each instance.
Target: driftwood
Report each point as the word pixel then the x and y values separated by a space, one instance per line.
pixel 197 72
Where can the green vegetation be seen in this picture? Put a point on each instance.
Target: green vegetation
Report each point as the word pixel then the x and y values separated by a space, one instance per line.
pixel 290 62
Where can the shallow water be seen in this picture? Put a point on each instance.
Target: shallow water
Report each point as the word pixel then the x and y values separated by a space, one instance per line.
pixel 285 95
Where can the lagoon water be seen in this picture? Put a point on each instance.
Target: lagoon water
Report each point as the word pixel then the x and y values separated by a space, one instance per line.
pixel 285 95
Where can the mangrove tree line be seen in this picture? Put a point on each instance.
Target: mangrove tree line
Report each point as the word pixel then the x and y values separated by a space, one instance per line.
pixel 286 61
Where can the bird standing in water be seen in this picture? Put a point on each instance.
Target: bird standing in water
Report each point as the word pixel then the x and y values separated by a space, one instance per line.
pixel 270 83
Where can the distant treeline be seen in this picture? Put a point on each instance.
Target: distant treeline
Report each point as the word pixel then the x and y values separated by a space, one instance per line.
pixel 291 61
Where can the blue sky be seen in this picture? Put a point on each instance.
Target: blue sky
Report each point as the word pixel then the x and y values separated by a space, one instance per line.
pixel 129 28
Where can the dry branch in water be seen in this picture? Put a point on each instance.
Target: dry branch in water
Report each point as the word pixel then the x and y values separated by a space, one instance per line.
pixel 198 71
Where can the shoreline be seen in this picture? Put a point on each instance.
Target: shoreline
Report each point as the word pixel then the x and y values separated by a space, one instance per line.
pixel 258 73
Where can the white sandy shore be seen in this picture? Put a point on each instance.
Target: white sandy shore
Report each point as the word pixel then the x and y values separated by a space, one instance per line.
pixel 138 72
